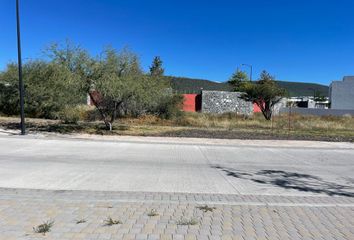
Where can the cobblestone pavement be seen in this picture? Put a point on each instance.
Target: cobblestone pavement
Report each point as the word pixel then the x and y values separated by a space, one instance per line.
pixel 229 217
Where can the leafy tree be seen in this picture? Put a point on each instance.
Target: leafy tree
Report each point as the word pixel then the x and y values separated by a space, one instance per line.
pixel 265 93
pixel 9 99
pixel 238 79
pixel 48 88
pixel 9 96
pixel 114 81
pixel 75 60
pixel 117 82
pixel 156 69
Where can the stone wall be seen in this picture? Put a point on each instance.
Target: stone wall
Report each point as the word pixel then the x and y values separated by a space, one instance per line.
pixel 222 102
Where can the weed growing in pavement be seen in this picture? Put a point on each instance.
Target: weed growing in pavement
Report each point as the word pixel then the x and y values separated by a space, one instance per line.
pixel 206 208
pixel 110 222
pixel 44 228
pixel 81 221
pixel 152 213
pixel 184 221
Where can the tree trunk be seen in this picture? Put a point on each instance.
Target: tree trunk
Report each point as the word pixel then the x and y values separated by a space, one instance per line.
pixel 266 109
pixel 114 114
pixel 103 115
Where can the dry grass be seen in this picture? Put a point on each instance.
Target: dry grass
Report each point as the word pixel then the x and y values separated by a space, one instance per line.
pixel 209 125
pixel 110 222
pixel 257 121
pixel 44 228
pixel 153 213
pixel 188 222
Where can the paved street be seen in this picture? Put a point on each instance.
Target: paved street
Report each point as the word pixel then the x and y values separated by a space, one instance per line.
pixel 70 164
pixel 256 190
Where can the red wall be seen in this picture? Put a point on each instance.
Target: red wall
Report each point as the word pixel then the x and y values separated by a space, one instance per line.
pixel 190 103
pixel 256 109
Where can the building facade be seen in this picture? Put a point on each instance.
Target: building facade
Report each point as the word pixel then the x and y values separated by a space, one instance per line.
pixel 342 94
pixel 219 102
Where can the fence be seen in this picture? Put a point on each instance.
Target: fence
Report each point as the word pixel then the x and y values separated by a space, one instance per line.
pixel 318 111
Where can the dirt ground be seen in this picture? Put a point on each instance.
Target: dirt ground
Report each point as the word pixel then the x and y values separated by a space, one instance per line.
pixel 129 127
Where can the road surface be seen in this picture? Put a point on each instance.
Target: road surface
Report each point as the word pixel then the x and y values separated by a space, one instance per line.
pixel 177 166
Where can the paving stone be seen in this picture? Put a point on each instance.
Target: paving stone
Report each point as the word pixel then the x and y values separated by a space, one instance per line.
pixel 236 216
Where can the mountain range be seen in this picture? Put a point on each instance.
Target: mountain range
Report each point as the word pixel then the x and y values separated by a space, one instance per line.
pixel 191 85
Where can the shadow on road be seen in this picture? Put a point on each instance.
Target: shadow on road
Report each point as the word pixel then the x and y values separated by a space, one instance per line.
pixel 292 180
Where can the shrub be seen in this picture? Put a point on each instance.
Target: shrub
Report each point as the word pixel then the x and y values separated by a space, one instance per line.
pixel 48 89
pixel 9 99
pixel 69 115
pixel 170 107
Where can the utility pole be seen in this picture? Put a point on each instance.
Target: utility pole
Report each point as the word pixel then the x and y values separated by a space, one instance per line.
pixel 251 69
pixel 21 87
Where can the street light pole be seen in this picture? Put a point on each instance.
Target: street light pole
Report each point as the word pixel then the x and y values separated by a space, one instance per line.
pixel 21 87
pixel 251 67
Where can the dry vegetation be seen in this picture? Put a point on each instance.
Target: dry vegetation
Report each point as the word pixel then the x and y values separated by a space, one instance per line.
pixel 209 125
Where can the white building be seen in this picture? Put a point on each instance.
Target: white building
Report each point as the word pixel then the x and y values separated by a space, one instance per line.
pixel 342 94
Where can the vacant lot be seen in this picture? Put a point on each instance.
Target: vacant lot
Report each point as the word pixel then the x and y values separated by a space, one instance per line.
pixel 227 126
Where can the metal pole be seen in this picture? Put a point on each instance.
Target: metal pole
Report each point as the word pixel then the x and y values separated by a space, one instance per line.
pixel 251 68
pixel 21 87
pixel 251 73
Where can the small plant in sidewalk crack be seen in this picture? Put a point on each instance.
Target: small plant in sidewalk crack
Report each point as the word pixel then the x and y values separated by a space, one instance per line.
pixel 81 221
pixel 44 228
pixel 184 221
pixel 206 208
pixel 110 222
pixel 152 213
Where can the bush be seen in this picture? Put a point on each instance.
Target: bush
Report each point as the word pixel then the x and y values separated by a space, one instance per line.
pixel 48 89
pixel 73 114
pixel 170 107
pixel 9 99
pixel 69 115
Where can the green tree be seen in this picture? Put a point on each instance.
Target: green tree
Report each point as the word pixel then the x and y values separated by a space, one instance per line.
pixel 117 82
pixel 9 99
pixel 114 81
pixel 48 88
pixel 9 96
pixel 238 79
pixel 76 60
pixel 265 93
pixel 156 69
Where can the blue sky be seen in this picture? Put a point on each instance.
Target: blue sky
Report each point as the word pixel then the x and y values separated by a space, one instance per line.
pixel 308 41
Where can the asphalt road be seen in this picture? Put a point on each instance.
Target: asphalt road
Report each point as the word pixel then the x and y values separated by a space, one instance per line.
pixel 177 166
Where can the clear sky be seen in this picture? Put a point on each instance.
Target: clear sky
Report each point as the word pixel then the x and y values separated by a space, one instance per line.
pixel 295 40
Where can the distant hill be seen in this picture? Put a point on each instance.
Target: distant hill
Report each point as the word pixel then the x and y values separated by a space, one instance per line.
pixel 304 89
pixel 190 85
